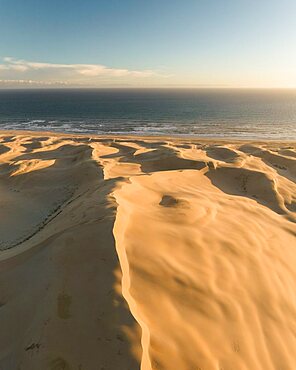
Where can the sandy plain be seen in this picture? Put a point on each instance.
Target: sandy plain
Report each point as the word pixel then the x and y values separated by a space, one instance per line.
pixel 146 253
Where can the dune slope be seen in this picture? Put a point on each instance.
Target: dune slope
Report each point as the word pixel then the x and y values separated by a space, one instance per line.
pixel 151 253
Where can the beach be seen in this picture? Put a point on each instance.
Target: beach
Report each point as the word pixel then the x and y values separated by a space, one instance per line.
pixel 129 252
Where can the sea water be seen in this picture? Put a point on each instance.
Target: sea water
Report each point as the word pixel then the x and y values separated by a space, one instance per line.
pixel 237 113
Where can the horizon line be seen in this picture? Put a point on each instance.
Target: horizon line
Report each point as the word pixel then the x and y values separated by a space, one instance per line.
pixel 47 87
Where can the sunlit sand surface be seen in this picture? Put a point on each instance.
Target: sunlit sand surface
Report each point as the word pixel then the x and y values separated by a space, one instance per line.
pixel 146 253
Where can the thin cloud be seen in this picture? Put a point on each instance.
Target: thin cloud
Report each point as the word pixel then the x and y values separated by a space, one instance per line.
pixel 32 83
pixel 87 70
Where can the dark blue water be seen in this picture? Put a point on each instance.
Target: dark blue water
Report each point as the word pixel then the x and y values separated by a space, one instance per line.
pixel 207 113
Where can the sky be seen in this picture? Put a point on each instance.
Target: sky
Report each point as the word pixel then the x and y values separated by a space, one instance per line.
pixel 151 43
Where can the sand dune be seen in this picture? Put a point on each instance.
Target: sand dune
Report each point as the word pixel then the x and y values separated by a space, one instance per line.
pixel 146 253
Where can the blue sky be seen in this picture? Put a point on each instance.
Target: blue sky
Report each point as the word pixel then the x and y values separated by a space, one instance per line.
pixel 192 43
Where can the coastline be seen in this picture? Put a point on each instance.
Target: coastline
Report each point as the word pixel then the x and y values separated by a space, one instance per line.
pixel 192 138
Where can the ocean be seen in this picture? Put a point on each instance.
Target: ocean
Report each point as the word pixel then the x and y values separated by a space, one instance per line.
pixel 247 114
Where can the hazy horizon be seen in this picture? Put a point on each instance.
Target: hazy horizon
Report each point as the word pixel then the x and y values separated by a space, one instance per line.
pixel 170 88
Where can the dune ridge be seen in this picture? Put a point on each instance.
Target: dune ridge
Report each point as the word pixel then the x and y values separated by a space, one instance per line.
pixel 151 253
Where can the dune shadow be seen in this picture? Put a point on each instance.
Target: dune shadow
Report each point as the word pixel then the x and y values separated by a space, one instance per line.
pixel 221 154
pixel 248 183
pixel 284 166
pixel 4 149
pixel 163 159
pixel 8 139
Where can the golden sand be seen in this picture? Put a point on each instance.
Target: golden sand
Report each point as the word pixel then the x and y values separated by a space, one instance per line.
pixel 146 253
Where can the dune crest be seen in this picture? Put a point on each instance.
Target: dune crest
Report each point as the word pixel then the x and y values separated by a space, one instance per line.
pixel 151 253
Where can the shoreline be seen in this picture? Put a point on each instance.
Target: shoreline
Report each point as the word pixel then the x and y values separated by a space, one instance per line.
pixel 144 137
